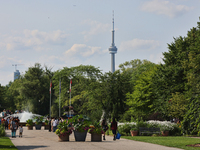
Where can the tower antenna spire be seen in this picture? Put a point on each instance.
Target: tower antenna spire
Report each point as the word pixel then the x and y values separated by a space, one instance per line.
pixel 113 20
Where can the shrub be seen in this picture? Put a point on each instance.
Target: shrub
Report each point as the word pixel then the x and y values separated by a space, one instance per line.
pixel 2 131
pixel 176 130
pixel 141 124
pixel 125 129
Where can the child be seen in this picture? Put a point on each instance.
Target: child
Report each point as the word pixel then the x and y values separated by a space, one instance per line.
pixel 20 131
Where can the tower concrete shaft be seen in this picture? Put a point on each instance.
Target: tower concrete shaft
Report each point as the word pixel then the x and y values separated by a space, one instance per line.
pixel 113 49
pixel 112 62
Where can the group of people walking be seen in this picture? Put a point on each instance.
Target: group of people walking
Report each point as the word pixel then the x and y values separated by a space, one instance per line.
pixel 113 127
pixel 53 123
pixel 12 123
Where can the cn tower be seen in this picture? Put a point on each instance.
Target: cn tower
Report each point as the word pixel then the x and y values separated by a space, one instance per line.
pixel 113 49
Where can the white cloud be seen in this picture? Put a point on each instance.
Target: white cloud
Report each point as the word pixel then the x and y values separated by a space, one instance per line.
pixel 95 28
pixel 82 54
pixel 33 39
pixel 83 50
pixel 163 7
pixel 138 44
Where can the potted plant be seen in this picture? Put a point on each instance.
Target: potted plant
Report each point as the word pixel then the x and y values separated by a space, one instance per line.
pixel 29 124
pixel 134 131
pixel 46 124
pixel 80 126
pixel 96 132
pixel 38 122
pixel 165 129
pixel 63 131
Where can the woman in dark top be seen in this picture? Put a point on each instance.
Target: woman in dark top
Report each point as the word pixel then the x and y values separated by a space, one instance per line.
pixel 114 128
pixel 49 124
pixel 13 127
pixel 105 128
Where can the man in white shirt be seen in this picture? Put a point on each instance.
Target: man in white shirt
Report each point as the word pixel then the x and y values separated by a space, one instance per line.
pixel 55 123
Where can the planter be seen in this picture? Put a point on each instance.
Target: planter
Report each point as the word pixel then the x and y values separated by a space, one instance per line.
pixel 46 127
pixel 96 137
pixel 165 133
pixel 38 127
pixel 134 133
pixel 80 136
pixel 30 127
pixel 63 138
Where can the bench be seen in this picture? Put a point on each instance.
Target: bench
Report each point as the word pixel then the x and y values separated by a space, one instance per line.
pixel 149 130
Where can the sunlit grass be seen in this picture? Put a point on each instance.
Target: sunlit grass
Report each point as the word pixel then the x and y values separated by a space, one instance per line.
pixel 6 144
pixel 170 141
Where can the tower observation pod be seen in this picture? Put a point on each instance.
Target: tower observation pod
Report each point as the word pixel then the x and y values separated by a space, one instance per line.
pixel 113 49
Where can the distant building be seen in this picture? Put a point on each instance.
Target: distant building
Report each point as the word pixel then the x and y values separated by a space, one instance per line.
pixel 16 75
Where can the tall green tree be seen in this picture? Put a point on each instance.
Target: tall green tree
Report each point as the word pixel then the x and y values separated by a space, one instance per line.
pixel 82 76
pixel 35 89
pixel 141 101
pixel 2 96
pixel 170 77
pixel 191 120
pixel 177 105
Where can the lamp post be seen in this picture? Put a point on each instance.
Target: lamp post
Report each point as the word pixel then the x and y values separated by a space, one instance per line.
pixel 68 102
pixel 39 106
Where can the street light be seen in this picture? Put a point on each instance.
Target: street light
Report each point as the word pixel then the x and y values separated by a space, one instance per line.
pixel 68 102
pixel 39 106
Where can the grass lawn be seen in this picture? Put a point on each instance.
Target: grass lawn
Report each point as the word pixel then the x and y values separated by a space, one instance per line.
pixel 170 141
pixel 6 144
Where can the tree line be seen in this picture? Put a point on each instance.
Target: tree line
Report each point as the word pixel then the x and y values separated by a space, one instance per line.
pixel 139 89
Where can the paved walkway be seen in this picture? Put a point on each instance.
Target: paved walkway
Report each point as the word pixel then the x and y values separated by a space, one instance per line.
pixel 45 140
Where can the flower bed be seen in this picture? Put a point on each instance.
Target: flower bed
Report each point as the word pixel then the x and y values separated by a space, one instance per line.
pixel 173 128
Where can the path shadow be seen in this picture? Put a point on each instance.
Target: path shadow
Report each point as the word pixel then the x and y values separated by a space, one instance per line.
pixel 30 147
pixel 6 147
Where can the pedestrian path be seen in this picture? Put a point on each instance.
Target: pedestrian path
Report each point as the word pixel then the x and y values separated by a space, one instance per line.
pixel 45 140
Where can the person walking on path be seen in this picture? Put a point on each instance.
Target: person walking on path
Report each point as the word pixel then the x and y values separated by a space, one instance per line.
pixel 6 124
pixel 49 124
pixel 13 128
pixel 105 128
pixel 114 128
pixel 55 123
pixel 20 131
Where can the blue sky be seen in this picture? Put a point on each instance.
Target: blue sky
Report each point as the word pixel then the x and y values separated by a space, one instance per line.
pixel 69 33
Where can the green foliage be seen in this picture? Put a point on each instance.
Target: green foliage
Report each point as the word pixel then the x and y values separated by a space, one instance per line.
pixel 38 119
pixel 29 122
pixel 63 129
pixel 96 128
pixel 141 101
pixel 46 122
pixel 82 78
pixel 125 129
pixel 2 95
pixel 2 131
pixel 141 123
pixel 176 131
pixel 177 105
pixel 80 122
